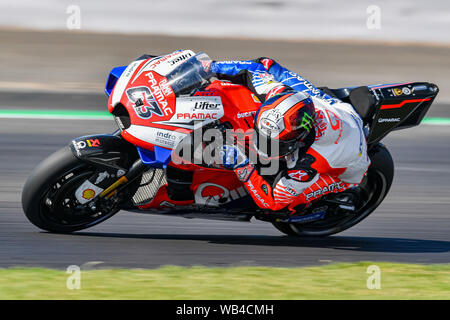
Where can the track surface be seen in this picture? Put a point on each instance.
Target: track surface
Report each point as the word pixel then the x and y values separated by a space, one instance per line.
pixel 412 225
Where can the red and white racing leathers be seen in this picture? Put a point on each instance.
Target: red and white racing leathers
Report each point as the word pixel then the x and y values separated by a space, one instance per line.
pixel 335 161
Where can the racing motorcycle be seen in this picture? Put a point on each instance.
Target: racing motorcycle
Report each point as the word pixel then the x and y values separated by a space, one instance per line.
pixel 157 101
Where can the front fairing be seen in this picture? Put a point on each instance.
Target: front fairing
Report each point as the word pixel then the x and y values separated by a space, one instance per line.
pixel 153 95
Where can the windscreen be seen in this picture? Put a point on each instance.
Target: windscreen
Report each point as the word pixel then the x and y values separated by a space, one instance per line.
pixel 191 74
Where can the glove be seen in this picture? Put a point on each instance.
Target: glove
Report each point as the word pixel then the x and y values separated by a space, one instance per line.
pixel 233 158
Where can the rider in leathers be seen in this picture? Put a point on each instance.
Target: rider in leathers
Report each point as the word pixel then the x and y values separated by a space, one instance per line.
pixel 332 155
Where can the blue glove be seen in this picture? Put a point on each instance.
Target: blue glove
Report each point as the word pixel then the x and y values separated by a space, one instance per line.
pixel 233 158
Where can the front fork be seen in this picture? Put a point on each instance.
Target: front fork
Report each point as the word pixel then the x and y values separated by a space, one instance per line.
pixel 136 170
pixel 117 165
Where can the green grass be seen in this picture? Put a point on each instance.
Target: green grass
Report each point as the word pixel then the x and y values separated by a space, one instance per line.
pixel 335 281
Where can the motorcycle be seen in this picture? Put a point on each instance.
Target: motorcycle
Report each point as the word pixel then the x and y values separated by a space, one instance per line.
pixel 157 101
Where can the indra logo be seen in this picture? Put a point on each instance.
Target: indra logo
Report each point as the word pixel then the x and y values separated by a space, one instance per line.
pixel 145 104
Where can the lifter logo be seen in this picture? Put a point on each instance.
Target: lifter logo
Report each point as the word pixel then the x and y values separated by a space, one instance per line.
pixel 205 105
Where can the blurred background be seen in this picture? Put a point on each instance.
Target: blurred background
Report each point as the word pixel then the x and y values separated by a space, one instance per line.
pixel 55 56
pixel 71 45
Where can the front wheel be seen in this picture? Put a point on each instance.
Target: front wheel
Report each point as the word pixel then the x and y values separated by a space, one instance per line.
pixel 373 190
pixel 48 197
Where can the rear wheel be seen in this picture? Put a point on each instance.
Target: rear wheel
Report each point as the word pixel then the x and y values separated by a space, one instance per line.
pixel 373 190
pixel 48 197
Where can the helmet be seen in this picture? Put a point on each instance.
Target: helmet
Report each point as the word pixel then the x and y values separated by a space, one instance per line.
pixel 282 124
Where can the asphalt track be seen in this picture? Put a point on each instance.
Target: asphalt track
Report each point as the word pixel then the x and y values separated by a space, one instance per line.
pixel 412 225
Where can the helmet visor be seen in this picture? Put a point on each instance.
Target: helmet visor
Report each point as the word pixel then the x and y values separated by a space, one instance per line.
pixel 274 148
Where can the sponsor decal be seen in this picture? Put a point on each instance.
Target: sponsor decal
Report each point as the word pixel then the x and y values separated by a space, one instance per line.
pixel 267 63
pixel 77 149
pixel 157 62
pixel 400 91
pixel 197 108
pixel 197 116
pixel 291 191
pixel 88 143
pixel 93 143
pixel 88 194
pixel 307 122
pixel 309 217
pixel 420 88
pixel 210 194
pixel 234 62
pixel 255 98
pixel 180 58
pixel 381 120
pixel 227 84
pixel 206 93
pixel 257 195
pixel 246 114
pixel 244 173
pixel 150 135
pixel 162 65
pixel 269 125
pixel 206 64
pixel 320 125
pixel 262 78
pixel 166 135
pixel 271 122
pixel 130 69
pixel 166 138
pixel 308 87
pixel 87 191
pixel 335 124
pixel 397 91
pixel 160 91
pixel 333 187
pixel 406 91
pixel 206 105
pixel 264 188
pixel 299 175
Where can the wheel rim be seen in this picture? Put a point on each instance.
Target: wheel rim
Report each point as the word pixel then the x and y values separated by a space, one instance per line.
pixel 376 189
pixel 59 206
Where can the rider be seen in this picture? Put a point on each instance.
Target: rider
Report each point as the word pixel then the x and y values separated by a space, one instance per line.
pixel 320 137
